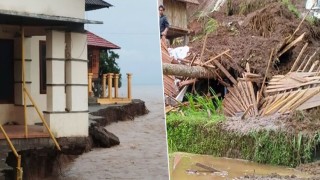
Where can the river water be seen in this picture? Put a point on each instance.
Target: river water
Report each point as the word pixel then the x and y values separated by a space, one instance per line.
pixel 184 166
pixel 142 153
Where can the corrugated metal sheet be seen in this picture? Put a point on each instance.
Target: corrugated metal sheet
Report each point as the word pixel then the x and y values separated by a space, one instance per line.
pixel 94 40
pixel 168 81
pixel 190 1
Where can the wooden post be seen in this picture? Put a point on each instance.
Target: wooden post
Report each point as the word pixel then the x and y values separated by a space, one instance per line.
pixel 90 84
pixel 24 84
pixel 104 82
pixel 129 76
pixel 116 80
pixel 110 76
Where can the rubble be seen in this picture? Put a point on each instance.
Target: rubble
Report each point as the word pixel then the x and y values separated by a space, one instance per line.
pixel 238 55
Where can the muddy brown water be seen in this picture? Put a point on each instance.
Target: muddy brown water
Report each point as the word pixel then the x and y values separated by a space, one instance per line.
pixel 142 153
pixel 183 166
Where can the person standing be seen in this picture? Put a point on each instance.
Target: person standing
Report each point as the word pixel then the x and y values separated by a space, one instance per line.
pixel 164 24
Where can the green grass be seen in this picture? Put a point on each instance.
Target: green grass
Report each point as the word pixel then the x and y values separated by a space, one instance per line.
pixel 277 148
pixel 200 108
pixel 291 7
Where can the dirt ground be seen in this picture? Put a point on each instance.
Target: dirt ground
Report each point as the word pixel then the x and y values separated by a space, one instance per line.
pixel 251 35
pixel 142 153
pixel 305 122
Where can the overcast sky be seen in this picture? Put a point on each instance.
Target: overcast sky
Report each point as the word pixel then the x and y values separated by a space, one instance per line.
pixel 134 26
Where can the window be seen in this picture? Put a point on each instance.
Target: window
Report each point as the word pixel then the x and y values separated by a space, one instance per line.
pixel 43 68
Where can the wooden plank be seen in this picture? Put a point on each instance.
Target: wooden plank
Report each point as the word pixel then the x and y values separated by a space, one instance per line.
pixel 281 103
pixel 316 82
pixel 203 47
pixel 302 63
pixel 253 98
pixel 292 101
pixel 314 65
pixel 214 58
pixel 310 103
pixel 309 61
pixel 238 101
pixel 244 93
pixel 295 64
pixel 229 76
pixel 289 46
pixel 276 104
pixel 246 112
pixel 210 169
pixel 309 94
pixel 226 104
pixel 233 104
pixel 245 85
pixel 235 92
pixel 265 76
pixel 297 78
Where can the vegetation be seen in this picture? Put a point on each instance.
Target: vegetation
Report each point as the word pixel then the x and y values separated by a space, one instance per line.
pixel 291 7
pixel 210 26
pixel 108 64
pixel 278 148
pixel 206 109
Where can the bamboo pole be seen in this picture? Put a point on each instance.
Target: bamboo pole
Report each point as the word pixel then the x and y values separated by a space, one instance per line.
pixel 43 120
pixel 24 84
pixel 19 170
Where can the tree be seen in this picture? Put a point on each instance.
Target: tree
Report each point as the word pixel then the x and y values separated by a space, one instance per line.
pixel 187 71
pixel 108 64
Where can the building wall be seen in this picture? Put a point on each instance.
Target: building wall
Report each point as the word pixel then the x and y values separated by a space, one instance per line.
pixel 95 58
pixel 14 112
pixel 68 8
pixel 7 111
pixel 176 13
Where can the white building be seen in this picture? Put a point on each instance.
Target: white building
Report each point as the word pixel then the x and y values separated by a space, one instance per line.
pixel 50 37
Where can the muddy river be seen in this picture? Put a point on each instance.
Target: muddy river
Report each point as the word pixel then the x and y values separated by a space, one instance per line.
pixel 190 166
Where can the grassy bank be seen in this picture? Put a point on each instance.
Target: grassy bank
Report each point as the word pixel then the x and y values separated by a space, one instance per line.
pixel 209 137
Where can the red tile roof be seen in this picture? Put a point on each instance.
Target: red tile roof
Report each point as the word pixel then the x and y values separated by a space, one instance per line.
pixel 94 40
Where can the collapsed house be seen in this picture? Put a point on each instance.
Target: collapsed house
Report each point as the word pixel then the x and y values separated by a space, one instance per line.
pixel 267 60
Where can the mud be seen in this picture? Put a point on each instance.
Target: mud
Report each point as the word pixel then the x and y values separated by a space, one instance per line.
pixel 183 166
pixel 304 122
pixel 115 113
pixel 250 38
pixel 142 153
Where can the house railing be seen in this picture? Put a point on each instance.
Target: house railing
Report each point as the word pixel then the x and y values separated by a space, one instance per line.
pixel 19 168
pixel 110 81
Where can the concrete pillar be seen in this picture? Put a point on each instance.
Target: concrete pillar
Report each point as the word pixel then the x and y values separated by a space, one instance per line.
pixel 104 85
pixel 110 75
pixel 55 60
pixel 75 121
pixel 76 72
pixel 129 76
pixel 116 80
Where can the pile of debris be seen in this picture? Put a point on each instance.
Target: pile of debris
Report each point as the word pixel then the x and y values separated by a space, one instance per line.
pixel 267 60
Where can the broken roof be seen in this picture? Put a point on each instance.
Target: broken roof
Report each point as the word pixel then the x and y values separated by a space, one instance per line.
pixel 94 40
pixel 96 4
